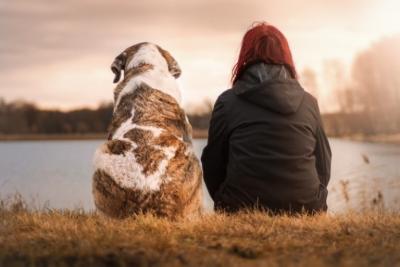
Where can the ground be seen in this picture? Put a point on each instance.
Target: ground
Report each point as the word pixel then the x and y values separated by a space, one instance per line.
pixel 76 238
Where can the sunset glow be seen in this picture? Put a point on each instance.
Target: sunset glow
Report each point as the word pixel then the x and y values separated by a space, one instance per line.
pixel 58 55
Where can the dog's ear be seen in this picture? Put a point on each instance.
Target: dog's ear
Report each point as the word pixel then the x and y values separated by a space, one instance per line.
pixel 173 66
pixel 118 65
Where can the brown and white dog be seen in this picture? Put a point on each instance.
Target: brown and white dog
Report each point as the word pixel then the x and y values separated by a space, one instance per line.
pixel 148 164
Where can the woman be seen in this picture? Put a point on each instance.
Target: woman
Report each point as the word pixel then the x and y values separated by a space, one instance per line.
pixel 266 145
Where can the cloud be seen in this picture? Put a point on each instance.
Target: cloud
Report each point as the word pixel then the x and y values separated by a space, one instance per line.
pixel 47 30
pixel 43 38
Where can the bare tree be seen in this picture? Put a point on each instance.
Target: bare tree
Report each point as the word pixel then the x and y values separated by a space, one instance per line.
pixel 336 76
pixel 309 81
pixel 346 99
pixel 376 75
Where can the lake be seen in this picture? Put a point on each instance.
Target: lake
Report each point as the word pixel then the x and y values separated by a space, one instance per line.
pixel 57 174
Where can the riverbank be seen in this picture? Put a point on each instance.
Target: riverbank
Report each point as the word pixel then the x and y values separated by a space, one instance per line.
pixel 50 137
pixel 75 238
pixel 200 134
pixel 378 138
pixel 94 136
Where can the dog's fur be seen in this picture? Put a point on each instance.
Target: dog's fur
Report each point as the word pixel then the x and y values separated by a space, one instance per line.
pixel 148 164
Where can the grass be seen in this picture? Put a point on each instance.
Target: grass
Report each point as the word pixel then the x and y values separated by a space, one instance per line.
pixel 75 238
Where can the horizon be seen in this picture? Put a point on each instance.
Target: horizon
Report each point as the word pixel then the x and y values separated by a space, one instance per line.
pixel 55 66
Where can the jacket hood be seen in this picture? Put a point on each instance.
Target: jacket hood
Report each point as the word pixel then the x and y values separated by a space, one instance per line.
pixel 271 87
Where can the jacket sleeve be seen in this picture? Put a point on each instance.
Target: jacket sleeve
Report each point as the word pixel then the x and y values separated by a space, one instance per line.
pixel 215 154
pixel 323 153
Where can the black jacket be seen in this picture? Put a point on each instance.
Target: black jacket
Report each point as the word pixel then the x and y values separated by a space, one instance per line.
pixel 266 145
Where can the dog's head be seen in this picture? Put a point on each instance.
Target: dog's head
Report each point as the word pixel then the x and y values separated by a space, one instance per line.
pixel 144 53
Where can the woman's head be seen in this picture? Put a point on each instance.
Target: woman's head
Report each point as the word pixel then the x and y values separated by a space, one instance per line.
pixel 263 43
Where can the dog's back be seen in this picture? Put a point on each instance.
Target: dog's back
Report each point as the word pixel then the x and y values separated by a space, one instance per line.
pixel 148 164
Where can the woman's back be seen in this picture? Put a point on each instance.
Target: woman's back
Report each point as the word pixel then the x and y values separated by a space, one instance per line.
pixel 266 145
pixel 266 135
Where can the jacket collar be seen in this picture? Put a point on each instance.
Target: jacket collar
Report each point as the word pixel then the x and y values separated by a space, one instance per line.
pixel 271 87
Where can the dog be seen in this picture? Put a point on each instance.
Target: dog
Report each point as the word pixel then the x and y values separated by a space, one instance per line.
pixel 148 164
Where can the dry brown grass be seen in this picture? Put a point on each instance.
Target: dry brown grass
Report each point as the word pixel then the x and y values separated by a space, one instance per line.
pixel 76 238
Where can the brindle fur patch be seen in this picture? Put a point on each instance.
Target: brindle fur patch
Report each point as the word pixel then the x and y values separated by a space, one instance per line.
pixel 145 152
pixel 118 202
pixel 173 66
pixel 129 74
pixel 171 118
pixel 118 147
pixel 146 103
pixel 122 114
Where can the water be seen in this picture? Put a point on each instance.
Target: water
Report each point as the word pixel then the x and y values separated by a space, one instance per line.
pixel 57 174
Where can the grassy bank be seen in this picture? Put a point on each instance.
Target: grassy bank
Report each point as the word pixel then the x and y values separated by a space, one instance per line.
pixel 75 238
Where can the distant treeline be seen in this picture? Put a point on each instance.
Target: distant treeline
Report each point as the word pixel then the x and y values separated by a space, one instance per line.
pixel 21 117
pixel 25 118
pixel 368 94
pixel 361 123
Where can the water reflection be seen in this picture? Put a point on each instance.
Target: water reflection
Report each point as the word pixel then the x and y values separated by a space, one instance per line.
pixel 364 175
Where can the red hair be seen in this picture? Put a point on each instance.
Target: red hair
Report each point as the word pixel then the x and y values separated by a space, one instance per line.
pixel 263 43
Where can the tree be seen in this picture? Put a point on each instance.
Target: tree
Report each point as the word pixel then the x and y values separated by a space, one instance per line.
pixel 375 73
pixel 309 81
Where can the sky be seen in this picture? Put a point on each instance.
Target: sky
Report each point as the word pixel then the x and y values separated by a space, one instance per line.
pixel 58 53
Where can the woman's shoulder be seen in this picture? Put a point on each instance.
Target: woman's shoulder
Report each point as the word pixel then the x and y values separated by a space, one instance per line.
pixel 226 96
pixel 311 100
pixel 225 101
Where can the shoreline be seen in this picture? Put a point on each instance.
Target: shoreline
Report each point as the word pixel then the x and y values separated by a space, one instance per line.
pixel 51 137
pixel 198 134
pixel 393 139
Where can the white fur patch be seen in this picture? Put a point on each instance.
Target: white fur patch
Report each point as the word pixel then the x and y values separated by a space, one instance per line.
pixel 127 173
pixel 148 53
pixel 127 125
pixel 157 78
pixel 124 169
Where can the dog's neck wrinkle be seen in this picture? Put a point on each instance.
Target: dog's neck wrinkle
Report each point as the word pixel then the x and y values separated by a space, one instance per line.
pixel 150 108
pixel 153 78
pixel 154 100
pixel 137 70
